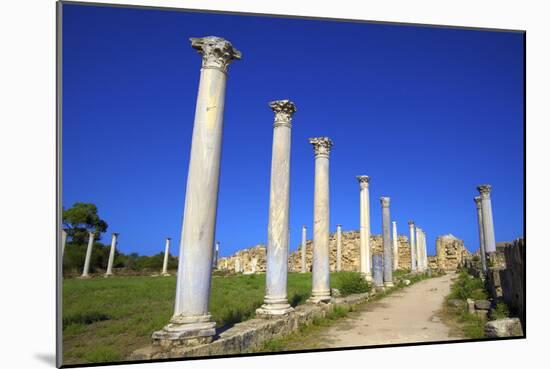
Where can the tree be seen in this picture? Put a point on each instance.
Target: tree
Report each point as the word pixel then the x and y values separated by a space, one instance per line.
pixel 80 219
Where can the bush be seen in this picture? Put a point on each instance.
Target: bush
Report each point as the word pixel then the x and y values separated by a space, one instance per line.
pixel 500 311
pixel 467 287
pixel 352 283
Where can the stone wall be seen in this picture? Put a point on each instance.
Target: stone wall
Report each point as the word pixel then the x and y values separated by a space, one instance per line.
pixel 246 257
pixel 450 253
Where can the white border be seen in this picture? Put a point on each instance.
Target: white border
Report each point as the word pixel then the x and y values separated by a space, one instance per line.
pixel 27 202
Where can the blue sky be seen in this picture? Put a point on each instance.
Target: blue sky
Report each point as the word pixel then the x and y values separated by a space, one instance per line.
pixel 427 113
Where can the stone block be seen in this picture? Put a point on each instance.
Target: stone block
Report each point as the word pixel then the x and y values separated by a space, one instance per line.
pixel 509 327
pixel 482 304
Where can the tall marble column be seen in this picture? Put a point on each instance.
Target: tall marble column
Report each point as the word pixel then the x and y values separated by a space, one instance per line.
pixel 86 270
pixel 395 246
pixel 216 255
pixel 275 300
pixel 487 216
pixel 166 256
pixel 386 237
pixel 419 259
pixel 109 271
pixel 191 323
pixel 413 246
pixel 424 250
pixel 303 250
pixel 321 221
pixel 482 255
pixel 339 248
pixel 364 228
pixel 63 241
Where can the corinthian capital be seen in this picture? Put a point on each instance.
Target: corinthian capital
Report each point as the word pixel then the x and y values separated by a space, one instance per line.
pixel 385 201
pixel 217 53
pixel 363 181
pixel 321 145
pixel 284 110
pixel 484 190
pixel 411 223
pixel 477 200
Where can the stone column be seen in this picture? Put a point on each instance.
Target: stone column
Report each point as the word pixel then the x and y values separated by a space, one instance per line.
pixel 63 241
pixel 166 256
pixel 216 255
pixel 275 300
pixel 364 228
pixel 191 323
pixel 482 255
pixel 395 246
pixel 339 248
pixel 321 221
pixel 413 246
pixel 86 270
pixel 304 241
pixel 109 271
pixel 419 249
pixel 487 217
pixel 424 250
pixel 378 270
pixel 386 237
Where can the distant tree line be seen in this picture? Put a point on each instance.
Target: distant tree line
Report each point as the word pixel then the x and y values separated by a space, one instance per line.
pixel 82 218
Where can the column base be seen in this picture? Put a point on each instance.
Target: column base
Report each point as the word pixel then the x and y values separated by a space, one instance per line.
pixel 388 284
pixel 185 331
pixel 319 296
pixel 108 275
pixel 274 307
pixel 165 274
pixel 367 277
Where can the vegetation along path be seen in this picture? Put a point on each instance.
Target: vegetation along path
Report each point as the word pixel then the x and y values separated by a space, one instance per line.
pixel 407 315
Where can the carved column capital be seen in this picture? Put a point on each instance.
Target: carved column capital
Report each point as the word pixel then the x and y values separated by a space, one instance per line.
pixel 477 200
pixel 363 181
pixel 217 53
pixel 385 201
pixel 284 110
pixel 484 190
pixel 321 146
pixel 411 223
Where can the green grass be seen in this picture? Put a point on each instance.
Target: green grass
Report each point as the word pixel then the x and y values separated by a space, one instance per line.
pixel 106 319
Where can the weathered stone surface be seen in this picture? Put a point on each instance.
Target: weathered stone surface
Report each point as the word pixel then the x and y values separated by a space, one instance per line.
pixel 471 306
pixel 249 335
pixel 246 257
pixel 483 304
pixel 509 327
pixel 450 253
pixel 456 303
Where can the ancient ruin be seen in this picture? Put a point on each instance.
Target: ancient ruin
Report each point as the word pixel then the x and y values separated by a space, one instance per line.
pixel 450 252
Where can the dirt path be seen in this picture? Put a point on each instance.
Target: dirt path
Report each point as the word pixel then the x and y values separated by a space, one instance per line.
pixel 406 316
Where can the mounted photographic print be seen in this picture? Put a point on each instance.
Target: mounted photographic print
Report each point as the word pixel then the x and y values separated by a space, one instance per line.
pixel 236 184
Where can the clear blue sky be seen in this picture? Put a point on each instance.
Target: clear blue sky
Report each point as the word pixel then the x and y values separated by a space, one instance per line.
pixel 427 113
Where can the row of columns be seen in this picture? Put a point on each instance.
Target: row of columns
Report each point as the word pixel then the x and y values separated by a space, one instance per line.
pixel 191 321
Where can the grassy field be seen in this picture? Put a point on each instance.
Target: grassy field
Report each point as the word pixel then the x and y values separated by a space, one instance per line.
pixel 107 319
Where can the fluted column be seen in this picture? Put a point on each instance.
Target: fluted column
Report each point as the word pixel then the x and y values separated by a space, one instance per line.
pixel 339 248
pixel 482 255
pixel 191 322
pixel 303 250
pixel 413 246
pixel 109 271
pixel 321 221
pixel 166 256
pixel 275 300
pixel 63 241
pixel 395 246
pixel 487 216
pixel 364 228
pixel 386 237
pixel 86 270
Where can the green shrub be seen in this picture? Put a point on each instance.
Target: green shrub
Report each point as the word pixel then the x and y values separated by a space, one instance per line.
pixel 500 311
pixel 352 283
pixel 467 287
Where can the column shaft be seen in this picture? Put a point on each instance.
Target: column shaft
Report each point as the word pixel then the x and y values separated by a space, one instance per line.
pixel 111 255
pixel 413 246
pixel 487 216
pixel 166 255
pixel 275 300
pixel 321 222
pixel 86 270
pixel 63 241
pixel 364 228
pixel 386 237
pixel 303 249
pixel 482 255
pixel 419 259
pixel 395 246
